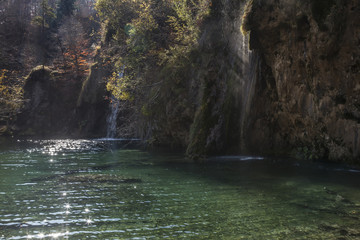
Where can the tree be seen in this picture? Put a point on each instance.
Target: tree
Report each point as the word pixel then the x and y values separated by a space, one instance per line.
pixel 153 35
pixel 11 96
pixel 65 9
pixel 85 8
pixel 76 52
pixel 15 19
pixel 46 16
pixel 154 43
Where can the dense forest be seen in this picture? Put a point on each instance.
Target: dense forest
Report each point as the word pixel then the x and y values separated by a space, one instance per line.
pixel 204 76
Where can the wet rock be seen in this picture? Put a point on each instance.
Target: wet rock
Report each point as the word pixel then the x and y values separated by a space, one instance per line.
pixel 329 191
pixel 338 197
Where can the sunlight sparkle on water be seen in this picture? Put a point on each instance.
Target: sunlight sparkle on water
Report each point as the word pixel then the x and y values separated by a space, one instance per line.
pixel 52 235
pixel 56 235
pixel 267 199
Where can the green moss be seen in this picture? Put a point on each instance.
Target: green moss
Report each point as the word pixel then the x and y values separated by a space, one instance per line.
pixel 39 72
pixel 200 128
pixel 83 96
pixel 246 18
pixel 93 88
pixel 196 149
pixel 146 111
pixel 206 119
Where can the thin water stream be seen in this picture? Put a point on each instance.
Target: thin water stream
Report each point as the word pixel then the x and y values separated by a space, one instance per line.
pixel 98 189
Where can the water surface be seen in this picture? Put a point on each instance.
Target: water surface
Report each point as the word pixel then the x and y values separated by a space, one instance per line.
pixel 99 189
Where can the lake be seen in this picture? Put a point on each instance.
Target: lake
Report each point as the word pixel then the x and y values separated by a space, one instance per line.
pixel 113 189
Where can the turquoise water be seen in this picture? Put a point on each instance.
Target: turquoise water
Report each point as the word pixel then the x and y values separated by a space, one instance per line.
pixel 98 189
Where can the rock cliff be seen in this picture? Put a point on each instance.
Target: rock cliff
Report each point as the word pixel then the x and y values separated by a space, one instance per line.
pixel 235 96
pixel 268 77
pixel 92 108
pixel 291 85
pixel 50 101
pixel 313 51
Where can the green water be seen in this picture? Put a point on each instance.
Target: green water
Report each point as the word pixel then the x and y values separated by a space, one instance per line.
pixel 96 189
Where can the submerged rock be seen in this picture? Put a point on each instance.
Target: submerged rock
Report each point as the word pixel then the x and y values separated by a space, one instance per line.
pixel 341 230
pixel 99 178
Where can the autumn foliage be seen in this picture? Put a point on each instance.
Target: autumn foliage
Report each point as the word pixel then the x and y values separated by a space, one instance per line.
pixel 75 48
pixel 11 94
pixel 76 58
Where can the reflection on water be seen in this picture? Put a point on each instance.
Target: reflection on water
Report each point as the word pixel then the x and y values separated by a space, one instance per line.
pixel 99 189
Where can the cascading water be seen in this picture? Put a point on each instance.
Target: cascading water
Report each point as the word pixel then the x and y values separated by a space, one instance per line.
pixel 114 111
pixel 111 119
pixel 250 73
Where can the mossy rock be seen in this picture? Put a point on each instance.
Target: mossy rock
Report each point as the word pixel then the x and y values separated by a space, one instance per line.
pixel 246 18
pixel 99 178
pixel 4 130
pixel 203 122
pixel 39 73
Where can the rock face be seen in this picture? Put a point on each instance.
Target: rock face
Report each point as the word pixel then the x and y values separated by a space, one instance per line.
pixel 56 105
pixel 292 83
pixel 92 108
pixel 39 94
pixel 313 51
pixel 50 103
pixel 294 89
pixel 233 92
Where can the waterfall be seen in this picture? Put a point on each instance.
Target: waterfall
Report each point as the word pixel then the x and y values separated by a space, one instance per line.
pixel 112 117
pixel 114 111
pixel 250 82
pixel 251 71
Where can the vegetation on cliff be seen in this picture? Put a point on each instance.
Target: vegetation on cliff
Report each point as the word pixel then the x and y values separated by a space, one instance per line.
pixel 152 46
pixel 11 96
